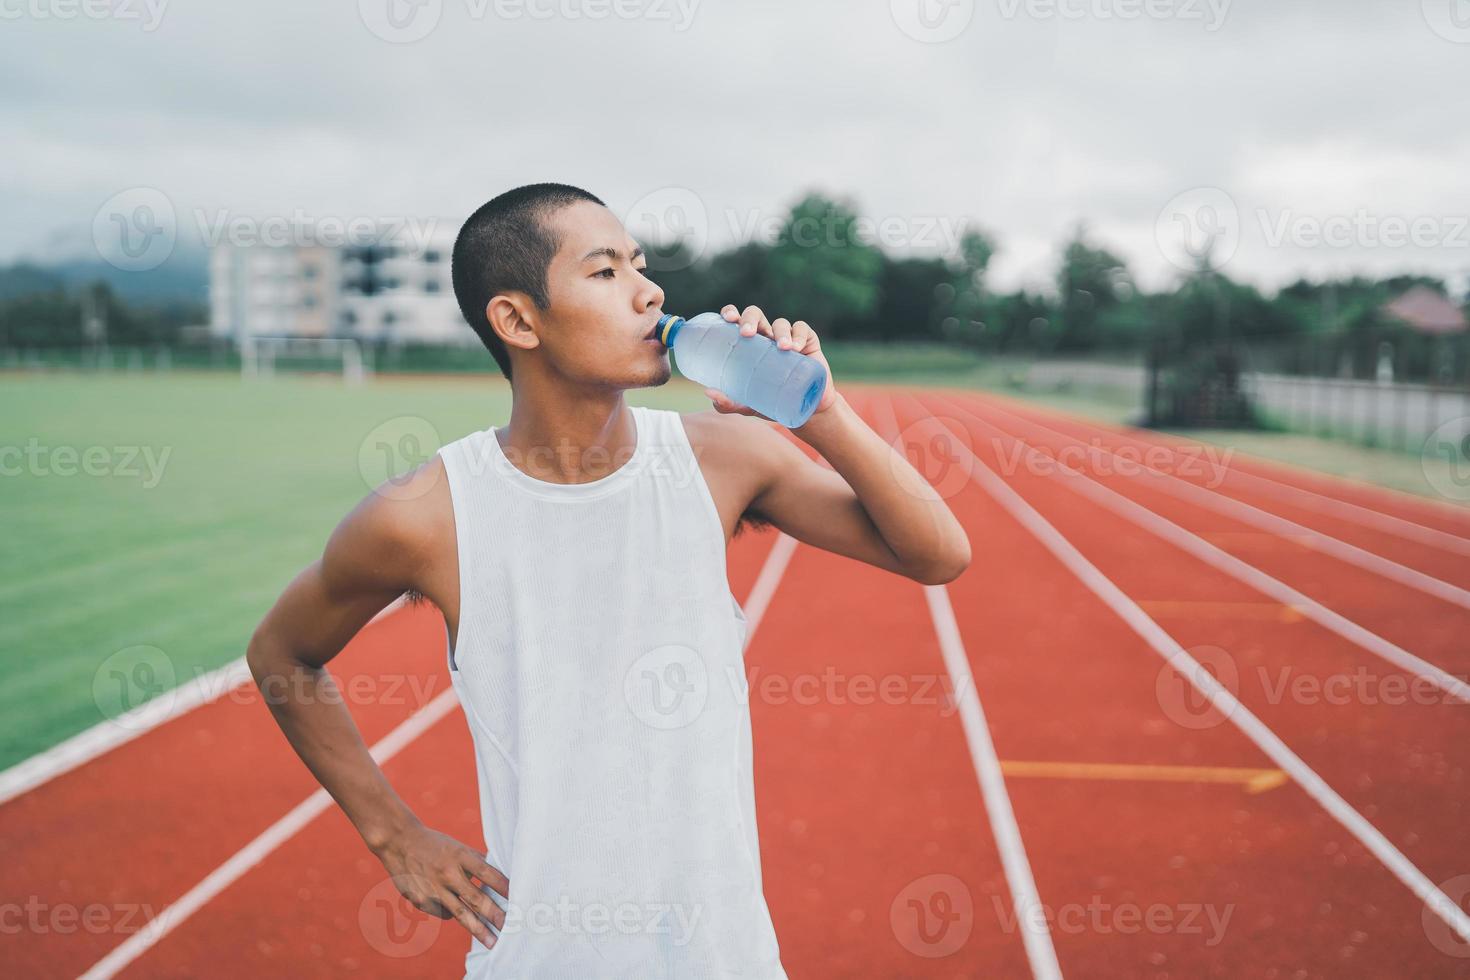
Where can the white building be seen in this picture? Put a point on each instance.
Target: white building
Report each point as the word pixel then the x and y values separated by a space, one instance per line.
pixel 395 289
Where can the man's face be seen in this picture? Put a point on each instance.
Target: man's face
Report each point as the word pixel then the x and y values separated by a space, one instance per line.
pixel 603 307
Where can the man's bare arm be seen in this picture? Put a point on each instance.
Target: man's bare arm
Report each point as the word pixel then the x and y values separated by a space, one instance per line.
pixel 872 505
pixel 379 551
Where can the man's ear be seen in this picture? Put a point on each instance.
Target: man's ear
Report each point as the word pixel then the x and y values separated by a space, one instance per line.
pixel 512 317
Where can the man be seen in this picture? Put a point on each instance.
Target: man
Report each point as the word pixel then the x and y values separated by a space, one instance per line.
pixel 578 557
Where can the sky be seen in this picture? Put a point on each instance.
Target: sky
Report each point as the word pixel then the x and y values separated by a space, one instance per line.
pixel 1302 139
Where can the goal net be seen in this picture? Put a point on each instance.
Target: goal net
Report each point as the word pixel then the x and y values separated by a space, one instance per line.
pixel 264 357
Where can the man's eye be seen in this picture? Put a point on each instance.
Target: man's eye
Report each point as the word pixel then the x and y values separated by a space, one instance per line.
pixel 609 273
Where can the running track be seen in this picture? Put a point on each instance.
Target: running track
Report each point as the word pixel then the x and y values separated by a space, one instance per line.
pixel 1177 721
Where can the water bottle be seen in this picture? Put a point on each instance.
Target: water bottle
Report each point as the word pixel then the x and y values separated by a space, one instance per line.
pixel 783 385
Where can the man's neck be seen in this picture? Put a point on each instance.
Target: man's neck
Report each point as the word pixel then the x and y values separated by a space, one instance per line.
pixel 562 438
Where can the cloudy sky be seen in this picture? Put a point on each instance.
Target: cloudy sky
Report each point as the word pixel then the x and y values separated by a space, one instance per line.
pixel 1307 138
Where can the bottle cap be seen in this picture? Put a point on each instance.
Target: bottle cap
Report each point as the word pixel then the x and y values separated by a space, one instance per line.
pixel 668 325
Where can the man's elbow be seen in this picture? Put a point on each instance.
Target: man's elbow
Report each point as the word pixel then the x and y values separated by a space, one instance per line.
pixel 945 570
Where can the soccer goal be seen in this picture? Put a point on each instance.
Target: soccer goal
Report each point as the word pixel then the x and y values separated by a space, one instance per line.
pixel 264 357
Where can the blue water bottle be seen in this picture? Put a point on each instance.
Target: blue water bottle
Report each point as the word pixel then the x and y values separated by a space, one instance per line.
pixel 784 385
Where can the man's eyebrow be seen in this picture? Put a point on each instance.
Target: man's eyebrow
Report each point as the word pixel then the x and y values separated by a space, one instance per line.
pixel 612 254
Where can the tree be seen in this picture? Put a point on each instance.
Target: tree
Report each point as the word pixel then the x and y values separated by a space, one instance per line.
pixel 1090 282
pixel 820 270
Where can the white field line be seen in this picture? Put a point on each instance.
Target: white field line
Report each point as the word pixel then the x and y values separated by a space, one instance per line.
pixel 1227 563
pixel 260 848
pixel 105 736
pixel 1273 523
pixel 1025 899
pixel 1343 509
pixel 1221 699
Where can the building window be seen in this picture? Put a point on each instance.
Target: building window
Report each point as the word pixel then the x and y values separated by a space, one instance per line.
pixel 431 256
pixel 432 286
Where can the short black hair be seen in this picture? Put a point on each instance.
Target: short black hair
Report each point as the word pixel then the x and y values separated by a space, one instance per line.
pixel 508 243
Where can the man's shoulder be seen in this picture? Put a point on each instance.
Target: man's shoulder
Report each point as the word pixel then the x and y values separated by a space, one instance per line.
pixel 727 437
pixel 413 510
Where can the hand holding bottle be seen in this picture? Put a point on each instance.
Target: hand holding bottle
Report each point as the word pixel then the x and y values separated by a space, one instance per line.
pixel 799 337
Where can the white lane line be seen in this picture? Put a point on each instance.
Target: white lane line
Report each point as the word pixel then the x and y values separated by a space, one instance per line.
pixel 1030 914
pixel 1025 899
pixel 313 806
pixel 1221 699
pixel 1273 523
pixel 260 848
pixel 1227 563
pixel 766 582
pixel 1346 510
pixel 105 736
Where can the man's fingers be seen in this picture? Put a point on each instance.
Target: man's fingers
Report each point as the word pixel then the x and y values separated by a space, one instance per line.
pixel 481 904
pixel 781 333
pixel 753 321
pixel 475 867
pixel 466 917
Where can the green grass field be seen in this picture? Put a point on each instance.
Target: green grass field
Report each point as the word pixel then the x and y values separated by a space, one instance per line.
pixel 185 555
pixel 167 511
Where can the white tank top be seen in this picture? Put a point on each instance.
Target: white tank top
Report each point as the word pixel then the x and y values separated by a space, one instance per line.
pixel 600 664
